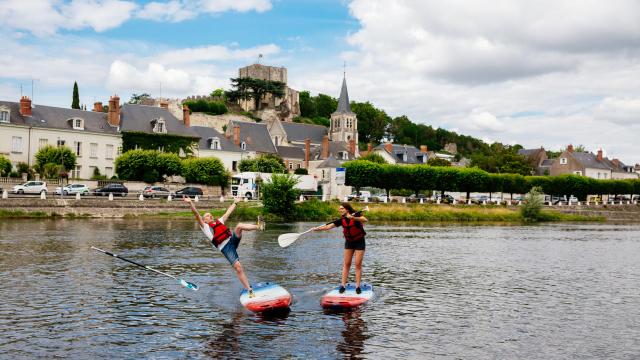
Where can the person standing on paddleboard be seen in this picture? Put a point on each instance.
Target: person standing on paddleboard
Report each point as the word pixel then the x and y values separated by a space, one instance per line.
pixel 225 240
pixel 354 234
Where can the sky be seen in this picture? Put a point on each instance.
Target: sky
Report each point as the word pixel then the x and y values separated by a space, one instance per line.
pixel 536 73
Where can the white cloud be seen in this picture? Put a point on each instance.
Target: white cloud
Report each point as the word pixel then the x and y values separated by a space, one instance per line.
pixel 172 11
pixel 485 121
pixel 180 10
pixel 215 53
pixel 46 17
pixel 625 111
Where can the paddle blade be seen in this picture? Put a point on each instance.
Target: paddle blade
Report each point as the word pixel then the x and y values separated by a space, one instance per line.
pixel 189 285
pixel 285 240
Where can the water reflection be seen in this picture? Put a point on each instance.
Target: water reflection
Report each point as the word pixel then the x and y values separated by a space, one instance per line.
pixel 353 335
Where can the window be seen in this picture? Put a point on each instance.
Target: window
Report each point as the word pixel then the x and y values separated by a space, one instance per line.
pixel 78 123
pixel 77 147
pixel 159 126
pixel 563 161
pixel 298 166
pixel 108 152
pixel 16 144
pixel 119 152
pixel 93 147
pixel 323 174
pixel 290 166
pixel 60 142
pixel 276 141
pixel 234 165
pixel 215 144
pixel 42 143
pixel 578 172
pixel 344 155
pixel 4 116
pixel 243 145
pixel 75 173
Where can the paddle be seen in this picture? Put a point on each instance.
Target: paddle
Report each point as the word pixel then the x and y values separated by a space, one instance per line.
pixel 186 284
pixel 287 239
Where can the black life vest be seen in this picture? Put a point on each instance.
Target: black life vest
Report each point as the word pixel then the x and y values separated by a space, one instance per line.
pixel 352 232
pixel 220 232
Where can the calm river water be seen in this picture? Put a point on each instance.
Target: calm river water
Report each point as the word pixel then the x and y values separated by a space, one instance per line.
pixel 548 291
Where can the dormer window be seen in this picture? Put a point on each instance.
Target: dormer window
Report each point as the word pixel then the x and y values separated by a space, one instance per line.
pixel 76 123
pixel 563 161
pixel 215 144
pixel 243 145
pixel 401 156
pixel 159 126
pixel 344 155
pixel 4 115
pixel 421 158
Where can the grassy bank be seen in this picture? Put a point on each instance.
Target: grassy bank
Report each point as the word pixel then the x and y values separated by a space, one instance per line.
pixel 326 211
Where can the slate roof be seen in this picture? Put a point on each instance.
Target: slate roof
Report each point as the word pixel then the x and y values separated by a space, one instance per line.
pixel 330 162
pixel 300 132
pixel 344 107
pixel 589 160
pixel 207 134
pixel 334 148
pixel 547 162
pixel 134 117
pixel 528 152
pixel 255 135
pixel 290 152
pixel 57 118
pixel 411 153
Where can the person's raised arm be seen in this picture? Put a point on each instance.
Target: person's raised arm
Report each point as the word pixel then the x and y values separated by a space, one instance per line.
pixel 325 227
pixel 229 210
pixel 195 211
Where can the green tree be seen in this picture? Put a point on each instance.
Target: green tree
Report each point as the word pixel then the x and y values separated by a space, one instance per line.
pixel 472 179
pixel 168 164
pixel 307 105
pixel 301 171
pixel 373 157
pixel 138 98
pixel 138 165
pixel 438 162
pixel 60 155
pixel 256 89
pixel 422 178
pixel 5 166
pixel 219 93
pixel 75 102
pixel 266 163
pixel 208 171
pixel 279 195
pixel 372 122
pixel 206 106
pixel 361 173
pixel 325 105
pixel 532 207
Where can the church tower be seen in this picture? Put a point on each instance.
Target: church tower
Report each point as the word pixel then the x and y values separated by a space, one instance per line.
pixel 344 125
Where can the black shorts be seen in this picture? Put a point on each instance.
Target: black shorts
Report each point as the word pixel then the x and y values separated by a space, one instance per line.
pixel 354 245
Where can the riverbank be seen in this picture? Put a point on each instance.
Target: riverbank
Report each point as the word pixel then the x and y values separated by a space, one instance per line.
pixel 306 211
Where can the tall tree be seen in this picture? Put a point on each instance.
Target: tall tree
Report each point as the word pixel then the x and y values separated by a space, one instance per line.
pixel 75 103
pixel 250 88
pixel 372 122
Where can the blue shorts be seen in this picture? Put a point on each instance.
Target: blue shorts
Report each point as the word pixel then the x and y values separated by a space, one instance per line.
pixel 230 249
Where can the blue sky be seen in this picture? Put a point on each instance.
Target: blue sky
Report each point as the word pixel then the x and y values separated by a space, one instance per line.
pixel 545 73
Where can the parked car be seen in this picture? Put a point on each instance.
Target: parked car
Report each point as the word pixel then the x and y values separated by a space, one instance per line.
pixel 446 198
pixel 189 191
pixel 115 189
pixel 73 189
pixel 382 198
pixel 155 191
pixel 359 196
pixel 422 197
pixel 30 187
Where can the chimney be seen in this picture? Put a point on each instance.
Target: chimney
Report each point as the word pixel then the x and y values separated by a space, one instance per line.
pixel 114 111
pixel 423 148
pixel 325 147
pixel 369 148
pixel 389 147
pixel 97 106
pixel 307 152
pixel 236 135
pixel 570 148
pixel 616 162
pixel 352 147
pixel 599 155
pixel 25 106
pixel 164 104
pixel 186 116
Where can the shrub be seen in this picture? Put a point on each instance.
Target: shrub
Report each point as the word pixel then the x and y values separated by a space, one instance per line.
pixel 96 175
pixel 136 164
pixel 168 164
pixel 438 162
pixel 208 171
pixel 301 171
pixel 373 157
pixel 14 174
pixel 205 106
pixel 267 163
pixel 5 166
pixel 60 155
pixel 279 195
pixel 531 209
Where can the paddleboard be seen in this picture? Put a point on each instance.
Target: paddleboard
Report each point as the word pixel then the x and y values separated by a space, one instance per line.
pixel 268 297
pixel 348 299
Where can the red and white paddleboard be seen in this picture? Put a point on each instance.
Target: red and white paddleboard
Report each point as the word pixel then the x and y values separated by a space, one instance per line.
pixel 349 298
pixel 268 297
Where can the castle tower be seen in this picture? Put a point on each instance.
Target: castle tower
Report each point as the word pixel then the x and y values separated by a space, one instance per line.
pixel 344 125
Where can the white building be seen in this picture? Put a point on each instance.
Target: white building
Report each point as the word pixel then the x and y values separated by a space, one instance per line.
pixel 24 129
pixel 214 144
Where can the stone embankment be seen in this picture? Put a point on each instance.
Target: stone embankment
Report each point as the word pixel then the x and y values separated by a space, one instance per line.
pixel 616 212
pixel 102 207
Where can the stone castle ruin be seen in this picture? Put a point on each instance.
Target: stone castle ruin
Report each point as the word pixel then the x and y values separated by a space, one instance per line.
pixel 287 107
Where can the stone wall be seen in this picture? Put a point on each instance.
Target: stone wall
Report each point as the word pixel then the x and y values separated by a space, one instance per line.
pixel 216 121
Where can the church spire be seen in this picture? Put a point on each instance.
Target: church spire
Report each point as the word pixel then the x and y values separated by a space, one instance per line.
pixel 343 103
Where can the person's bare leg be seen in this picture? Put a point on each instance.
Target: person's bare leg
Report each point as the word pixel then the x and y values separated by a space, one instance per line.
pixel 359 257
pixel 241 276
pixel 346 266
pixel 247 227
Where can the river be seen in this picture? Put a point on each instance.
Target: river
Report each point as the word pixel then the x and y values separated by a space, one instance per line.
pixel 442 291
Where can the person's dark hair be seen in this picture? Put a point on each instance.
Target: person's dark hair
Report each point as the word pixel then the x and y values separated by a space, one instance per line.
pixel 348 207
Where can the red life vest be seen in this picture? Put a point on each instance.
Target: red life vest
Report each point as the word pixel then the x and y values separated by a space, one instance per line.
pixel 352 232
pixel 220 232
